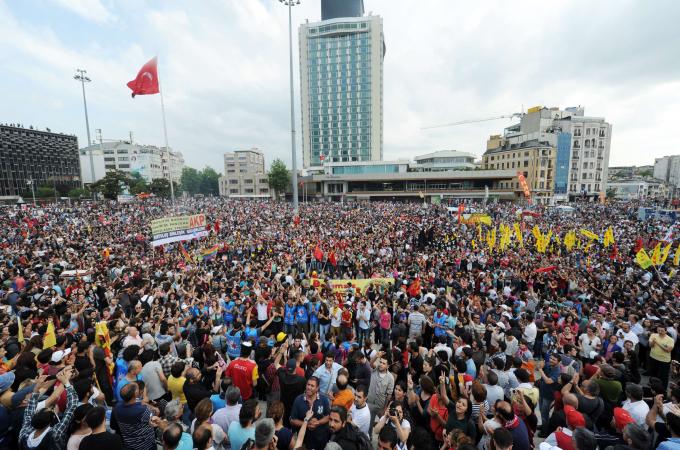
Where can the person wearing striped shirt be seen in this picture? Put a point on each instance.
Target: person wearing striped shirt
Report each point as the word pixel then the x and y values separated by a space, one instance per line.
pixel 131 420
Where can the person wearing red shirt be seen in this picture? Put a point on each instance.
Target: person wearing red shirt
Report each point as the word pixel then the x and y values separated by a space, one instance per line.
pixel 243 371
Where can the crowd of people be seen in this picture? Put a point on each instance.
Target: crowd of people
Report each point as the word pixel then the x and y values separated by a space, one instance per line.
pixel 356 326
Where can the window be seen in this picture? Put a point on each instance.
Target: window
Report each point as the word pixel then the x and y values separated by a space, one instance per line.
pixel 249 191
pixel 123 166
pixel 587 131
pixel 233 181
pixel 233 191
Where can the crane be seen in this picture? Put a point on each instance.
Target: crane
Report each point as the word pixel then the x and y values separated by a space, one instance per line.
pixel 463 122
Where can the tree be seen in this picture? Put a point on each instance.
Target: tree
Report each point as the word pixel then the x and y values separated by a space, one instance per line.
pixel 645 173
pixel 112 184
pixel 137 184
pixel 210 182
pixel 45 192
pixel 190 181
pixel 160 187
pixel 78 193
pixel 279 177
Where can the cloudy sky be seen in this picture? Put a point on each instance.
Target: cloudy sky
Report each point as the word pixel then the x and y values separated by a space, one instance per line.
pixel 224 70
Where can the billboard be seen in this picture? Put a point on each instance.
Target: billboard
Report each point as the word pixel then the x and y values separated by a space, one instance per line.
pixel 179 228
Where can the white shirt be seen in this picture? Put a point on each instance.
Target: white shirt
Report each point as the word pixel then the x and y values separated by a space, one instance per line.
pixel 637 410
pixel 589 344
pixel 361 418
pixel 630 336
pixel 261 311
pixel 530 332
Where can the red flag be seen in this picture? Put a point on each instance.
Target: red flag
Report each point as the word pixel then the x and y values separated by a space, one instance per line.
pixel 546 269
pixel 147 79
pixel 217 226
pixel 414 289
pixel 615 252
pixel 318 254
pixel 461 210
pixel 332 259
pixel 296 220
pixel 638 245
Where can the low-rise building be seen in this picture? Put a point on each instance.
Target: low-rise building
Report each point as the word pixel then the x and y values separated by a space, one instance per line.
pixel 639 189
pixel 444 160
pixel 244 175
pixel 149 161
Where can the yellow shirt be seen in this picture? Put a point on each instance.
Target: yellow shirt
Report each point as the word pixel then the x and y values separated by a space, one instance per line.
pixel 657 352
pixel 176 387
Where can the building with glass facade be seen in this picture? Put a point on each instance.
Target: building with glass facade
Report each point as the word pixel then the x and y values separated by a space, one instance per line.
pixel 332 9
pixel 341 77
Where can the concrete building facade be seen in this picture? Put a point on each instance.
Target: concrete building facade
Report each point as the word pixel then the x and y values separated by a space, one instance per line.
pixel 149 161
pixel 244 175
pixel 581 147
pixel 341 77
pixel 444 160
pixel 41 157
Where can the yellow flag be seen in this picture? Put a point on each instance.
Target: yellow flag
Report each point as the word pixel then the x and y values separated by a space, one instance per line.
pixel 570 240
pixel 664 254
pixel 518 235
pixel 676 257
pixel 608 237
pixel 50 338
pixel 20 333
pixel 479 233
pixel 474 245
pixel 642 259
pixel 491 239
pixel 656 255
pixel 589 234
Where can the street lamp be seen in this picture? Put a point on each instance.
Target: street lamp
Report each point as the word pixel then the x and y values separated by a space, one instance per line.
pixel 290 4
pixel 80 76
pixel 31 184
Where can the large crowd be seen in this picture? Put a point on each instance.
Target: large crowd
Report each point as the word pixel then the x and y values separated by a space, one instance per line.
pixel 356 326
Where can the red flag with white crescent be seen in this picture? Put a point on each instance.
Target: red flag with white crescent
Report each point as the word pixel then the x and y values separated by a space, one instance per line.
pixel 146 82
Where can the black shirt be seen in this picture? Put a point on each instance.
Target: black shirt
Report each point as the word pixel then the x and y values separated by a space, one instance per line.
pixel 195 392
pixel 100 441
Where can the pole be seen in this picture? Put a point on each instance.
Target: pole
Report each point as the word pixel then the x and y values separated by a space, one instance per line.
pixel 32 190
pixel 83 78
pixel 292 108
pixel 167 149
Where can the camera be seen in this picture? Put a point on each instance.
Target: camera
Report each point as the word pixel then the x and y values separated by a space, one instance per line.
pixel 393 411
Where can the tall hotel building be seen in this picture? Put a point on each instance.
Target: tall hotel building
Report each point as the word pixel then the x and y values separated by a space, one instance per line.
pixel 341 77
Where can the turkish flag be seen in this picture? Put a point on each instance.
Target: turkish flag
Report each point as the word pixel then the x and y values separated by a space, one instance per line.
pixel 147 79
pixel 318 254
pixel 332 259
pixel 414 289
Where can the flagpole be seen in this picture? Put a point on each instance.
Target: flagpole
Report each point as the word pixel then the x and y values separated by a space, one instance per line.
pixel 165 134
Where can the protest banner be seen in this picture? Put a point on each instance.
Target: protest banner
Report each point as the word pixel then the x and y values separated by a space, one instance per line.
pixel 359 284
pixel 179 228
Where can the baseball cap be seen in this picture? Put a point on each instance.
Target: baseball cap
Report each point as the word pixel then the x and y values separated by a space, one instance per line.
pixel 622 418
pixel 574 418
pixel 60 354
pixel 291 365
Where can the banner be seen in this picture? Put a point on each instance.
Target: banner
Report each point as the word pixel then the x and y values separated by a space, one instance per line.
pixel 525 186
pixel 359 284
pixel 474 218
pixel 180 228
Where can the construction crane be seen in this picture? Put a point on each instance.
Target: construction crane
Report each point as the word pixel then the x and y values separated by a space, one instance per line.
pixel 463 122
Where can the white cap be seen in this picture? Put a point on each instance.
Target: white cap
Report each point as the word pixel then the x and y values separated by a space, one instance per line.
pixel 60 354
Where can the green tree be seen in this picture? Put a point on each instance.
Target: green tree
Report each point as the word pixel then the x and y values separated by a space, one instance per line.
pixel 112 184
pixel 78 193
pixel 610 194
pixel 190 181
pixel 279 177
pixel 44 192
pixel 209 184
pixel 160 187
pixel 137 184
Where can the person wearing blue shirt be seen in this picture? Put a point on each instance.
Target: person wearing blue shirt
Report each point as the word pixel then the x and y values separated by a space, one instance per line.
pixel 440 319
pixel 321 409
pixel 302 318
pixel 234 341
pixel 133 374
pixel 313 307
pixel 327 373
pixel 547 389
pixel 289 317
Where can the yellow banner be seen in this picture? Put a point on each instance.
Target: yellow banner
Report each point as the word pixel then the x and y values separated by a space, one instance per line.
pixel 359 284
pixel 643 259
pixel 589 234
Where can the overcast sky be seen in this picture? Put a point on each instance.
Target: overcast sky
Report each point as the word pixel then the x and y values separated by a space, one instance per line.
pixel 224 70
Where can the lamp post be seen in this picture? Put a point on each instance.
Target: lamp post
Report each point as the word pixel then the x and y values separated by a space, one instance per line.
pixel 290 4
pixel 80 76
pixel 32 185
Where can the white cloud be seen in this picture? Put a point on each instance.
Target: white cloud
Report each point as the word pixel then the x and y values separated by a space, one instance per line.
pixel 92 10
pixel 224 69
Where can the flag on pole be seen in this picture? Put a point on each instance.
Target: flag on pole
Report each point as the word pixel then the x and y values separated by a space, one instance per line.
pixel 656 254
pixel 185 254
pixel 50 338
pixel 642 259
pixel 209 253
pixel 414 289
pixel 589 234
pixel 664 254
pixel 608 237
pixel 102 338
pixel 676 257
pixel 146 82
pixel 318 253
pixel 332 259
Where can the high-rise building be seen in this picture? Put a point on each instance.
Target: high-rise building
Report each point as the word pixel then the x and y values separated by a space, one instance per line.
pixel 341 77
pixel 41 157
pixel 149 161
pixel 244 175
pixel 580 151
pixel 333 9
pixel 668 169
